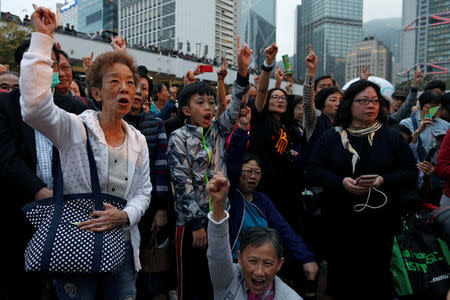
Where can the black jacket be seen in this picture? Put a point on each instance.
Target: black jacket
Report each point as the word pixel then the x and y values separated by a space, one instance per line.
pixel 18 147
pixel 389 156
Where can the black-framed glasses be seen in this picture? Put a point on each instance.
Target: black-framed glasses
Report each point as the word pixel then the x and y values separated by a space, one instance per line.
pixel 278 98
pixel 364 101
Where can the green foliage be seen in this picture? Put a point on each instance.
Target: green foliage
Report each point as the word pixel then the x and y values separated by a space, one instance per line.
pixel 11 35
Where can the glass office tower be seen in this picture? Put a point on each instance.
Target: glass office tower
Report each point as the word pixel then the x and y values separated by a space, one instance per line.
pixel 331 27
pixel 97 15
pixel 148 22
pixel 258 27
pixel 426 31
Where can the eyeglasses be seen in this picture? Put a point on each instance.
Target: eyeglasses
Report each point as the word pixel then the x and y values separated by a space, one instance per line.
pixel 363 101
pixel 249 172
pixel 278 98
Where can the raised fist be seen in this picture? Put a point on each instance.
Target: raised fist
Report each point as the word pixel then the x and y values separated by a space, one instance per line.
pixel 43 20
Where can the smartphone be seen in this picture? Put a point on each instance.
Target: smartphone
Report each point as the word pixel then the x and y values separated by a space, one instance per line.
pixel 430 154
pixel 287 64
pixel 366 179
pixel 433 110
pixel 206 68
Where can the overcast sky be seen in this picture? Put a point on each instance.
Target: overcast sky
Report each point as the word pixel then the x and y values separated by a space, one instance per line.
pixel 373 9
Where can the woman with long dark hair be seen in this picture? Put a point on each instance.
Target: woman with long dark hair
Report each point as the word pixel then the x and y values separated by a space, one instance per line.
pixel 269 140
pixel 362 164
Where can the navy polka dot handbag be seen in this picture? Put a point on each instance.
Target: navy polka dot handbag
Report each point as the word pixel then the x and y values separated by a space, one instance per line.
pixel 59 245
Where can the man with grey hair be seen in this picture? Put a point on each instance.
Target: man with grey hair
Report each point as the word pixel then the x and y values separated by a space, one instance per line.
pixel 260 255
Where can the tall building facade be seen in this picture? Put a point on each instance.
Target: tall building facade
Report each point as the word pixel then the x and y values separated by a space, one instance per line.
pixel 331 27
pixel 58 13
pixel 205 28
pixel 69 13
pixel 228 20
pixel 426 31
pixel 371 53
pixel 258 27
pixel 97 15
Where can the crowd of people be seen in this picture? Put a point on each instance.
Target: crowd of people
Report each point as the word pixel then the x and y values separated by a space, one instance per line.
pixel 105 36
pixel 250 192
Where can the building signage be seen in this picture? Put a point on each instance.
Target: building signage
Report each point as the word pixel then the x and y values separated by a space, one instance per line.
pixel 68 5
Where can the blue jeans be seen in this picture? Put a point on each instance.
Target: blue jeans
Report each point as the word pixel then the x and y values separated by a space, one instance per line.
pixel 120 285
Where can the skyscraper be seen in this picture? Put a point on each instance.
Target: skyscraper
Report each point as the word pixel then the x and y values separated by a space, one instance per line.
pixel 426 31
pixel 97 15
pixel 372 53
pixel 148 22
pixel 228 20
pixel 331 27
pixel 58 13
pixel 258 27
pixel 205 28
pixel 69 13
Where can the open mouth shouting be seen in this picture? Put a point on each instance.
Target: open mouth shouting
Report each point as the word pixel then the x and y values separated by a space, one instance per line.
pixel 124 102
pixel 258 285
pixel 208 118
pixel 251 183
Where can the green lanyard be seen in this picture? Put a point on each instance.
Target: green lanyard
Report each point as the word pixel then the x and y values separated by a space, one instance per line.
pixel 209 162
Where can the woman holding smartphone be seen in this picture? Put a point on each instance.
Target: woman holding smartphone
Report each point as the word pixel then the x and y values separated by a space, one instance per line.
pixel 361 163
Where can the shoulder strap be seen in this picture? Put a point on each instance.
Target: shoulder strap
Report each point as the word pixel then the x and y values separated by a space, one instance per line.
pixel 93 172
pixel 82 99
pixel 58 181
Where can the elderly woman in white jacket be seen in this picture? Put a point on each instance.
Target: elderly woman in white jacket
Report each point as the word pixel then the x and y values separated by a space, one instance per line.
pixel 120 151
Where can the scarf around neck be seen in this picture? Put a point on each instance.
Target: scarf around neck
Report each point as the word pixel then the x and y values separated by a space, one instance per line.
pixel 366 131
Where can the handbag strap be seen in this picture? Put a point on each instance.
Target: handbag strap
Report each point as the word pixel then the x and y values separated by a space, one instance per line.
pixel 58 187
pixel 98 204
pixel 93 172
pixel 58 181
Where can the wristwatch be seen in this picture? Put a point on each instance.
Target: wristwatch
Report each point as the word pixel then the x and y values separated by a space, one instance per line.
pixel 267 67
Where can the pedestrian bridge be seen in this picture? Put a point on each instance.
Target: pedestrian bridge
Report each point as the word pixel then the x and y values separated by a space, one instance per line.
pixel 162 67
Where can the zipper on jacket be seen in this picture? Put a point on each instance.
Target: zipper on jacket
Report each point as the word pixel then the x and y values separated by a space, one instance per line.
pixel 242 220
